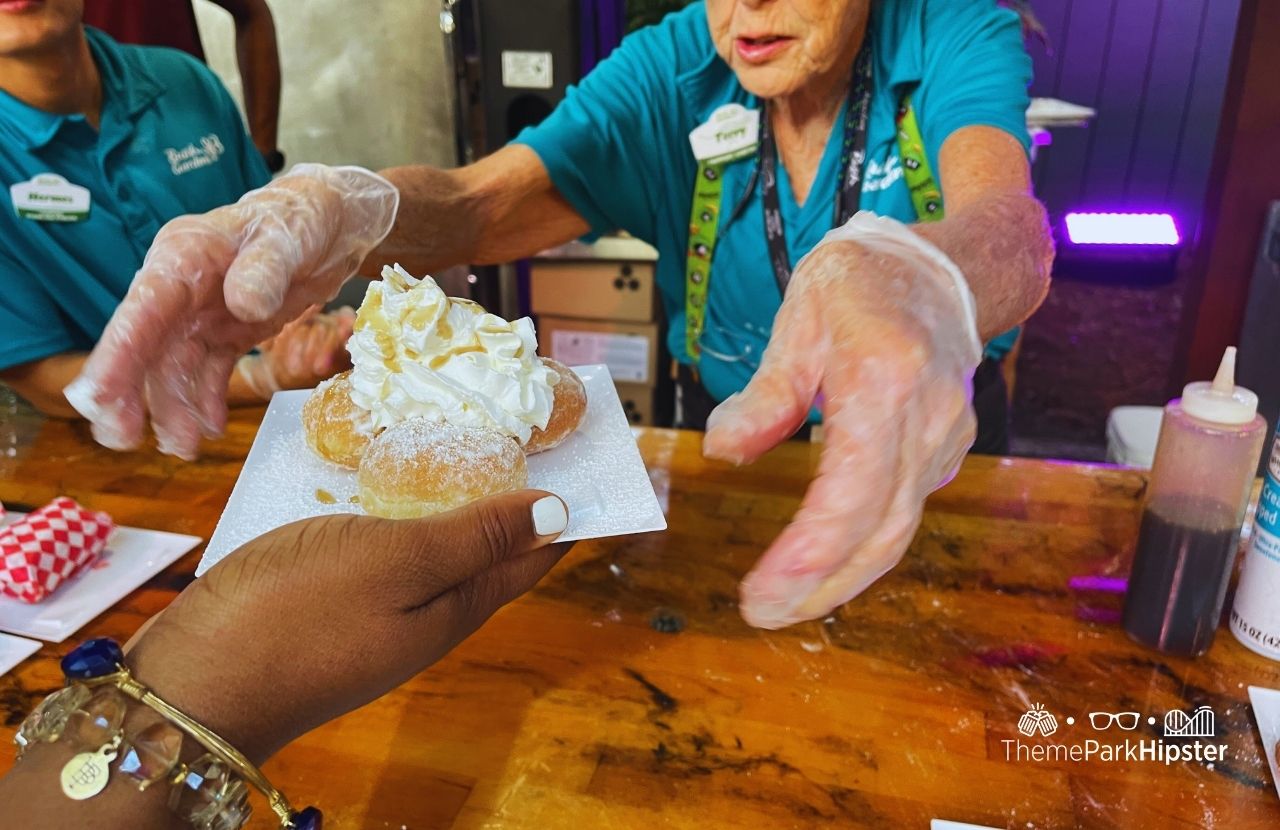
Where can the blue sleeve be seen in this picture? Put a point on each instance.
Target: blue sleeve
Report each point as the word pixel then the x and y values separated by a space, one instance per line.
pixel 604 144
pixel 33 326
pixel 976 71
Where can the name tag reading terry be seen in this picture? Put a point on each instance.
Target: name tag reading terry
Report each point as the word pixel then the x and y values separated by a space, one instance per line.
pixel 50 198
pixel 732 132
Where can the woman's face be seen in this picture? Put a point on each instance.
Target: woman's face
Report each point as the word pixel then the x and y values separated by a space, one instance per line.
pixel 29 26
pixel 776 47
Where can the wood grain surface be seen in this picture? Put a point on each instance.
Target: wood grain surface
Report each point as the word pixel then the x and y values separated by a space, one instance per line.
pixel 626 692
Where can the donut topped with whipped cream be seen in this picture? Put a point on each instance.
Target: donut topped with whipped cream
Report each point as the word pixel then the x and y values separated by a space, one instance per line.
pixel 420 354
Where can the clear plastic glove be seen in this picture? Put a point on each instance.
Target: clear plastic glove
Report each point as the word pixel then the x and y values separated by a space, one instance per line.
pixel 213 286
pixel 305 352
pixel 879 326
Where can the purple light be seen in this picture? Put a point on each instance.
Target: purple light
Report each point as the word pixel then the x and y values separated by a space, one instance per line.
pixel 1122 229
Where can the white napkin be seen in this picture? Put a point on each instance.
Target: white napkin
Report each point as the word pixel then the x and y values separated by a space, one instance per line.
pixel 1266 710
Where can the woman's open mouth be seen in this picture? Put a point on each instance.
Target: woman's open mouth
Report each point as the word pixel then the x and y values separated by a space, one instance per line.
pixel 758 49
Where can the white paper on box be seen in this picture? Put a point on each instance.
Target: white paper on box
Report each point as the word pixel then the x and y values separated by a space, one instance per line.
pixel 597 471
pixel 626 355
pixel 527 70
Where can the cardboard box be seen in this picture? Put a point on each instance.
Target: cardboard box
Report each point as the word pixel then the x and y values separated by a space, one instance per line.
pixel 619 246
pixel 593 290
pixel 640 402
pixel 630 350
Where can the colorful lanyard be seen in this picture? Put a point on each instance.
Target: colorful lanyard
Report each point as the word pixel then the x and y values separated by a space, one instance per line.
pixel 926 198
pixel 704 219
pixel 853 150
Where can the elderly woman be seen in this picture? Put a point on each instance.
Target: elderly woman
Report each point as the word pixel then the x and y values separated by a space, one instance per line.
pixel 734 136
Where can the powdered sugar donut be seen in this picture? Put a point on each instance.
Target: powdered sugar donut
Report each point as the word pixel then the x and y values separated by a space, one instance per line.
pixel 567 409
pixel 337 430
pixel 421 467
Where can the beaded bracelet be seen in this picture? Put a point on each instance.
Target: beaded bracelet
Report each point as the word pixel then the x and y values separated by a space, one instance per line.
pixel 89 711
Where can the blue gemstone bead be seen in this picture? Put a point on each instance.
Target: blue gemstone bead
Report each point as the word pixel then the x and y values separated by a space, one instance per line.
pixel 308 819
pixel 93 658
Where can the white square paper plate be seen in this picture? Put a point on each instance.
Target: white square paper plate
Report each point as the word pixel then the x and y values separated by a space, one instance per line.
pixel 597 471
pixel 1266 710
pixel 132 557
pixel 13 650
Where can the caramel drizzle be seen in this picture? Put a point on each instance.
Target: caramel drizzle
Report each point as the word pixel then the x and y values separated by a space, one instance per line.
pixel 441 359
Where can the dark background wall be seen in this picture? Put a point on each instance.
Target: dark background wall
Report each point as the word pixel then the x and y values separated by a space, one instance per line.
pixel 1156 71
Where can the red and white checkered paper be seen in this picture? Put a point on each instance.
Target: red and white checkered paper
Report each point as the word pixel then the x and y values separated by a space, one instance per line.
pixel 49 546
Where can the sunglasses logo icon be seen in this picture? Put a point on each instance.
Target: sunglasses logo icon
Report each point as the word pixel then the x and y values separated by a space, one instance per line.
pixel 1102 721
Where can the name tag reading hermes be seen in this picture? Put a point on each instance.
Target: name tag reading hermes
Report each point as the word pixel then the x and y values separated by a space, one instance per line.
pixel 732 132
pixel 50 198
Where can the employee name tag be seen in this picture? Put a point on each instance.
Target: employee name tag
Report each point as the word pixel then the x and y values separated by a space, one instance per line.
pixel 732 132
pixel 50 198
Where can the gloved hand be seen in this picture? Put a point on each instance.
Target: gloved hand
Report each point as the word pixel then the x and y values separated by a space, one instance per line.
pixel 305 352
pixel 879 327
pixel 212 287
pixel 312 348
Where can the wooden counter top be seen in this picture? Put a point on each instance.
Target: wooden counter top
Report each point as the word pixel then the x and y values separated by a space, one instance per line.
pixel 569 709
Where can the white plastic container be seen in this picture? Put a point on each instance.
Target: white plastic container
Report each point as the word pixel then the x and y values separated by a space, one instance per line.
pixel 1132 432
pixel 1255 617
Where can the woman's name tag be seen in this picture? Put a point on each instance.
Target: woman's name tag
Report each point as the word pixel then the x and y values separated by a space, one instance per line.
pixel 732 132
pixel 50 198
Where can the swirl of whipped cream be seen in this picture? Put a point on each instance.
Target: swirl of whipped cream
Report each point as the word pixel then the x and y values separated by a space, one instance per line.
pixel 420 354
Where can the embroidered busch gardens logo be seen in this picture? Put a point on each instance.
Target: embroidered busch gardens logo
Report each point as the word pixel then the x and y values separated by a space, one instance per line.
pixel 193 156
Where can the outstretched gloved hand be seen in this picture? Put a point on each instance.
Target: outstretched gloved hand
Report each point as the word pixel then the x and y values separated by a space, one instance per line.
pixel 213 286
pixel 878 326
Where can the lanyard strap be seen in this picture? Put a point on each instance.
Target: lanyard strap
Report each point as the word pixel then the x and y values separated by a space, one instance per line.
pixel 704 218
pixel 853 150
pixel 704 221
pixel 926 198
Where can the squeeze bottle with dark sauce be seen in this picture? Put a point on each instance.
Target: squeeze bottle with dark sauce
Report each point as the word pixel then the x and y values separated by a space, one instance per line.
pixel 1210 442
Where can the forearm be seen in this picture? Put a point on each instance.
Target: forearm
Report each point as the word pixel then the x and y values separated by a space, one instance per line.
pixel 501 208
pixel 241 393
pixel 41 382
pixel 994 231
pixel 1001 243
pixel 33 798
pixel 437 225
pixel 259 62
pixel 32 795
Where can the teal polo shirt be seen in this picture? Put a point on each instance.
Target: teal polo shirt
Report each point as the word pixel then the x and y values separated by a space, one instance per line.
pixel 170 141
pixel 617 148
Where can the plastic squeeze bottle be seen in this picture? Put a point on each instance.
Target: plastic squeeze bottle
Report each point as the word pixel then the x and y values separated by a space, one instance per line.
pixel 1209 446
pixel 1255 617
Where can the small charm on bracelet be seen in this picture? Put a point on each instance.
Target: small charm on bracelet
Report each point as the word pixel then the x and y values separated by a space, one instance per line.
pixel 86 775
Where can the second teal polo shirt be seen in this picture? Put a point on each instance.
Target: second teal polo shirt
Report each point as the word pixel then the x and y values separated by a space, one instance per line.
pixel 170 141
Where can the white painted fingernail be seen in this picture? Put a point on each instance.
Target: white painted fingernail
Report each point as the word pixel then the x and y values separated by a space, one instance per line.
pixel 550 517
